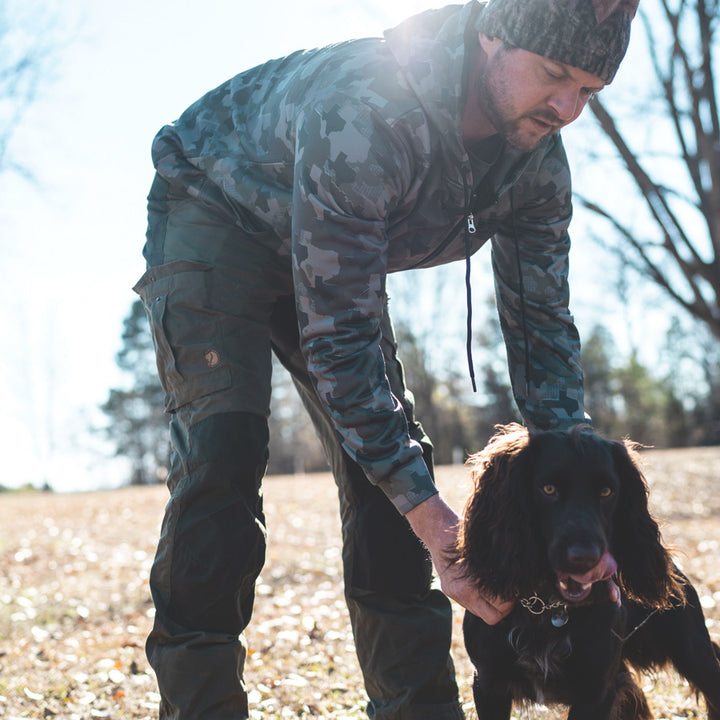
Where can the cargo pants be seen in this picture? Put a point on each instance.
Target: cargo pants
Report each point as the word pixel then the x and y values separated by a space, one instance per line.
pixel 219 298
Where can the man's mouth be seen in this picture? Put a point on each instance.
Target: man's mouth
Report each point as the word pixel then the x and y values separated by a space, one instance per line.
pixel 545 125
pixel 541 123
pixel 576 588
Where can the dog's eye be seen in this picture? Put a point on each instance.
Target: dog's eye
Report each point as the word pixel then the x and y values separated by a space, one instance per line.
pixel 549 489
pixel 606 492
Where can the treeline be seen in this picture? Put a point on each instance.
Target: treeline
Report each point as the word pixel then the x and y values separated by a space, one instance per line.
pixel 625 399
pixel 674 403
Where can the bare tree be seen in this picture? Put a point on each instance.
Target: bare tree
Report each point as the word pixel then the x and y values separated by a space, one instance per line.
pixel 28 50
pixel 137 425
pixel 678 171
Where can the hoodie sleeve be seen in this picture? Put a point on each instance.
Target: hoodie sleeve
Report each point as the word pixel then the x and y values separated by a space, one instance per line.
pixel 530 265
pixel 350 170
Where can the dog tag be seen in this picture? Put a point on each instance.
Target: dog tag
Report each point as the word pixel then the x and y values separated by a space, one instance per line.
pixel 559 617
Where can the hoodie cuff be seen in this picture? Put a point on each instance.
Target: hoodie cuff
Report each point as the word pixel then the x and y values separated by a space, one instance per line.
pixel 409 486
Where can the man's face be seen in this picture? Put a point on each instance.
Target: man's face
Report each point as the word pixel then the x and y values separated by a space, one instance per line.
pixel 526 97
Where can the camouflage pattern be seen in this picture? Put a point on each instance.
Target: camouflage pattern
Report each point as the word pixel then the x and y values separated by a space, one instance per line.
pixel 350 161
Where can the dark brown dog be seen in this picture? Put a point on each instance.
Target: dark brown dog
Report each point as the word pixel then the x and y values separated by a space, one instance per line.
pixel 553 516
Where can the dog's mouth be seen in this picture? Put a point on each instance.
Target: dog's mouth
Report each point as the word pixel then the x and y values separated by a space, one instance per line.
pixel 576 588
pixel 572 590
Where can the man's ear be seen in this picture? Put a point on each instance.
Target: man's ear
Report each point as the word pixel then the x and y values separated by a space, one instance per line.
pixel 489 44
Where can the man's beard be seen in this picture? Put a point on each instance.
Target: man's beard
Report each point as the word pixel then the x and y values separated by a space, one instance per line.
pixel 523 132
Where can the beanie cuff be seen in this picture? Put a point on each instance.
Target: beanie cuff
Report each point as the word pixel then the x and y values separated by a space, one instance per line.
pixel 567 31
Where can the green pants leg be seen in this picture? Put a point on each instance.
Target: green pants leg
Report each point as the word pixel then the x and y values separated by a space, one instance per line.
pixel 401 623
pixel 220 301
pixel 211 550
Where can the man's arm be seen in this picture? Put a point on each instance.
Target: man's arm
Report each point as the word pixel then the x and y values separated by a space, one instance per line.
pixel 542 342
pixel 341 202
pixel 339 267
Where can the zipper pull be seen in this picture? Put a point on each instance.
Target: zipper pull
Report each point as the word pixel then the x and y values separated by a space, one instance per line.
pixel 471 223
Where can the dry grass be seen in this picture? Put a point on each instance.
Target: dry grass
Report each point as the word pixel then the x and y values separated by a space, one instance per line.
pixel 74 607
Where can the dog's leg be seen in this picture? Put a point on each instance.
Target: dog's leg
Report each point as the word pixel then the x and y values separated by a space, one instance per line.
pixel 712 706
pixel 631 703
pixel 603 686
pixel 626 701
pixel 695 657
pixel 680 636
pixel 490 704
pixel 703 673
pixel 594 710
pixel 490 653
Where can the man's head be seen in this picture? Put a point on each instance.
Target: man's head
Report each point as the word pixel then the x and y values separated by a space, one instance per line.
pixel 543 60
pixel 590 35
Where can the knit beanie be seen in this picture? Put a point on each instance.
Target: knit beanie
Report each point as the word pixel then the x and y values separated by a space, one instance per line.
pixel 591 35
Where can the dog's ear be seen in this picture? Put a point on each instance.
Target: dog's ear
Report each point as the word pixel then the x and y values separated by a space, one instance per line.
pixel 647 573
pixel 497 543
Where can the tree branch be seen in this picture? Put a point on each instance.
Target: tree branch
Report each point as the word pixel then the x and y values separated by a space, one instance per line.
pixel 699 308
pixel 675 236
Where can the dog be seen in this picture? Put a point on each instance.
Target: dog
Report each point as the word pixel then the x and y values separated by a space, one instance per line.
pixel 560 523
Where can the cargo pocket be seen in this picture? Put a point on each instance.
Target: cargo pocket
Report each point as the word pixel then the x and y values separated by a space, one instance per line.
pixel 185 330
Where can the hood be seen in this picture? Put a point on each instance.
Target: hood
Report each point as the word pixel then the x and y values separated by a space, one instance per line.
pixel 430 51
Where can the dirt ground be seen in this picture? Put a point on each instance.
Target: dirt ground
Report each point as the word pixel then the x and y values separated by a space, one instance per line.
pixel 75 609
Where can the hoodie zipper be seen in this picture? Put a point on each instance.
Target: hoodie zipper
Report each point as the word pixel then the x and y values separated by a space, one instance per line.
pixel 448 239
pixel 468 220
pixel 470 229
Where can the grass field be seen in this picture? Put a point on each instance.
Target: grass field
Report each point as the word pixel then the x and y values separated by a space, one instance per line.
pixel 74 605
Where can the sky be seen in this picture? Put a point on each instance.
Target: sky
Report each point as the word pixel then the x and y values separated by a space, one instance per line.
pixel 71 237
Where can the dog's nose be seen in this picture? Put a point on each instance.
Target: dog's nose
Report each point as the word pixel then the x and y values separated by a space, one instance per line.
pixel 582 556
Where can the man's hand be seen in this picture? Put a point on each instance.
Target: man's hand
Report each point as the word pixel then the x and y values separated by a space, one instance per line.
pixel 437 525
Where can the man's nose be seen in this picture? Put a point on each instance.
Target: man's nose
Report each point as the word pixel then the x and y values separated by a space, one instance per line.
pixel 566 104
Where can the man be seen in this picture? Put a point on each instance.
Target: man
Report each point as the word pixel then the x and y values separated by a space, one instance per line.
pixel 282 199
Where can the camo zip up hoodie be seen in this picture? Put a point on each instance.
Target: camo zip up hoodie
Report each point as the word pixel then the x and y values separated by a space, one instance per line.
pixel 349 160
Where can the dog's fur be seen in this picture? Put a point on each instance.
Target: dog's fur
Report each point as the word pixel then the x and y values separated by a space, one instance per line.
pixel 549 506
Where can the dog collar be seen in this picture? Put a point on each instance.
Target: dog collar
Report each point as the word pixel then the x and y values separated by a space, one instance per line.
pixel 537 606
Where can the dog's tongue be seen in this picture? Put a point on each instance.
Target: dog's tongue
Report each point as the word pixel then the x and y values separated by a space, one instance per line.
pixel 605 569
pixel 576 588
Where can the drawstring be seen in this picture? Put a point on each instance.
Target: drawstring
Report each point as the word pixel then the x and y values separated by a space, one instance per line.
pixel 521 287
pixel 469 230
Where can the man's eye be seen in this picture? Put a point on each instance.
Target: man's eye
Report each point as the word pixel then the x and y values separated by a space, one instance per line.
pixel 552 74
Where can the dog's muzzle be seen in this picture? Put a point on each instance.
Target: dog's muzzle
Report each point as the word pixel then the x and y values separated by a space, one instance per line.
pixel 576 588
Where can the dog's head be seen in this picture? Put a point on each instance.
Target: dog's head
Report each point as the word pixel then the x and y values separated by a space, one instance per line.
pixel 551 509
